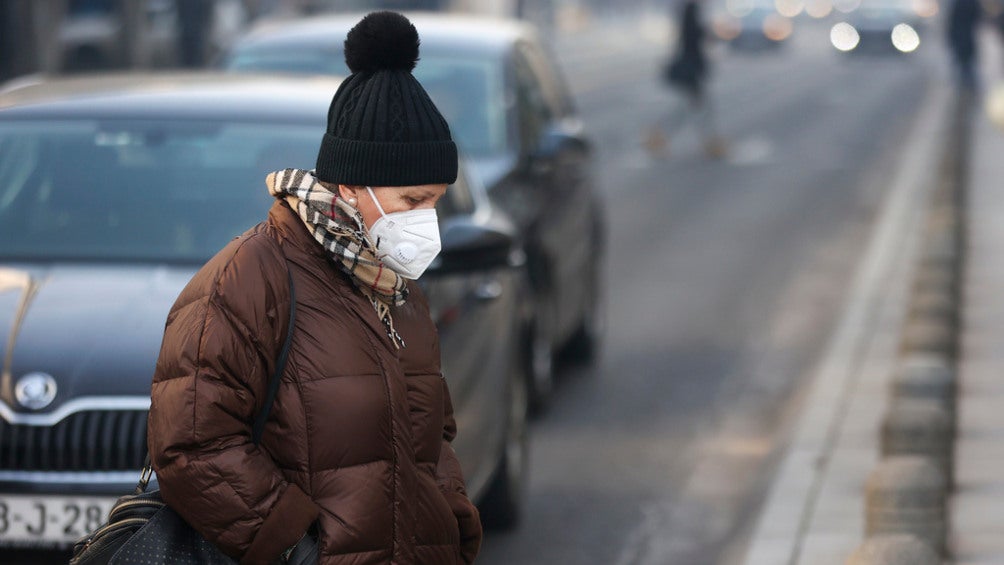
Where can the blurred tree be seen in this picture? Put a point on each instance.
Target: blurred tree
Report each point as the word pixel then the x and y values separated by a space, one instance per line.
pixel 27 44
pixel 195 20
pixel 133 18
pixel 13 60
pixel 963 17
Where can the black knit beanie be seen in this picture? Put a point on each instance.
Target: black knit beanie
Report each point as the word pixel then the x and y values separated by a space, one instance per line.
pixel 383 129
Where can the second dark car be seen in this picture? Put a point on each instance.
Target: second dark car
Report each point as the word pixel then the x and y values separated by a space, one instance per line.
pixel 511 113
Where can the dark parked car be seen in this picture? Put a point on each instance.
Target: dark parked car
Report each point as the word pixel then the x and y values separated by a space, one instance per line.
pixel 512 114
pixel 113 191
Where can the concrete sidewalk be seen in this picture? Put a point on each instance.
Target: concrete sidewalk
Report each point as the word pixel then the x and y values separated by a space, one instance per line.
pixel 976 513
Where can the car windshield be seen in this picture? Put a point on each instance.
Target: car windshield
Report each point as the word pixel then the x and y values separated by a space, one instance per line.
pixel 467 89
pixel 170 191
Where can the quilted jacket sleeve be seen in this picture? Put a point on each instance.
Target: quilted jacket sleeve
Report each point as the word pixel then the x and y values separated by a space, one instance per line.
pixel 451 482
pixel 218 352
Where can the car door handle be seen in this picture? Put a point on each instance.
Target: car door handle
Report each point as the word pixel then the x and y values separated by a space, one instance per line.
pixel 488 290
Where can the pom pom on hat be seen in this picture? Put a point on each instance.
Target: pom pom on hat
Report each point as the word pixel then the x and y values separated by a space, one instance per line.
pixel 382 41
pixel 383 128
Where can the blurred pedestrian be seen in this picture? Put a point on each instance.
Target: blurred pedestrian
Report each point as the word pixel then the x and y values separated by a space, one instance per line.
pixel 195 21
pixel 687 73
pixel 356 456
pixel 963 18
pixel 999 23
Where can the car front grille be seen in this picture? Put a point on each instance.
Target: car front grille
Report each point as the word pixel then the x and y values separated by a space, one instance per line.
pixel 96 440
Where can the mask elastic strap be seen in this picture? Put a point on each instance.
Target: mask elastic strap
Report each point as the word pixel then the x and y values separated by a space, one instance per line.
pixel 375 201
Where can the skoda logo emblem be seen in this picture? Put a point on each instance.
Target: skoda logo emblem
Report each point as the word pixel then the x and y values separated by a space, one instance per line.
pixel 35 390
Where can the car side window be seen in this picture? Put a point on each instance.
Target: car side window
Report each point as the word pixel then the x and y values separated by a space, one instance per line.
pixel 552 85
pixel 532 110
pixel 457 200
pixel 18 164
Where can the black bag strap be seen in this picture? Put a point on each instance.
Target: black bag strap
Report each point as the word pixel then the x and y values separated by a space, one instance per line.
pixel 280 365
pixel 273 386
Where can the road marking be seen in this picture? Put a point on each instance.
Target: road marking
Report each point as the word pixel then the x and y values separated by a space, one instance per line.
pixel 753 150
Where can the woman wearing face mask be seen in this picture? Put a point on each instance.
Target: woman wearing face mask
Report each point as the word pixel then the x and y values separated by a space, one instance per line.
pixel 355 456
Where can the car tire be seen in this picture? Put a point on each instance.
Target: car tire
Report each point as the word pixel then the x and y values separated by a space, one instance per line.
pixel 583 348
pixel 538 360
pixel 502 505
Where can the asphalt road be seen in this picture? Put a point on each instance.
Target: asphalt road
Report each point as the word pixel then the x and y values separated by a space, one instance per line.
pixel 725 279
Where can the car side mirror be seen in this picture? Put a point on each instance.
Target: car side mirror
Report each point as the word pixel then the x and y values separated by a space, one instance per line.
pixel 561 136
pixel 468 247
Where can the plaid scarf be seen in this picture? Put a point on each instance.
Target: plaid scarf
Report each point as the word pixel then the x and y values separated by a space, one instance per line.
pixel 339 228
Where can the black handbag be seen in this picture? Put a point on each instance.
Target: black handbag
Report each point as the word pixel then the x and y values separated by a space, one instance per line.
pixel 141 528
pixel 682 72
pixel 677 72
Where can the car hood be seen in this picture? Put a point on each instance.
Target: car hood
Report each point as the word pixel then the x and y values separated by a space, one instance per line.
pixel 96 330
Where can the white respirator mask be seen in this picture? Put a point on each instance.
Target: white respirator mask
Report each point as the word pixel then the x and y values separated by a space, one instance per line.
pixel 407 241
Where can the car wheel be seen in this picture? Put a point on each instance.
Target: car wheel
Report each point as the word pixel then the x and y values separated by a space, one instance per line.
pixel 584 346
pixel 503 502
pixel 538 359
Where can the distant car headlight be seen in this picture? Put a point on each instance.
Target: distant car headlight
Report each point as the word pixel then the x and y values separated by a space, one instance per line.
pixel 789 8
pixel 818 8
pixel 844 37
pixel 726 27
pixel 905 38
pixel 777 27
pixel 925 8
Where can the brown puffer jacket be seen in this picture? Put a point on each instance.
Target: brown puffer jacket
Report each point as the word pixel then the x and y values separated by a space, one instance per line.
pixel 358 439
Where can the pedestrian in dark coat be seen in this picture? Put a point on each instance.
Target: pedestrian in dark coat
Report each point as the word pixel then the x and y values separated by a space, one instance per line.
pixel 963 17
pixel 356 455
pixel 690 61
pixel 686 73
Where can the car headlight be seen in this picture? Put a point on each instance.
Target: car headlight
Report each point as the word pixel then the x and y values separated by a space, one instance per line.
pixel 925 8
pixel 726 27
pixel 844 37
pixel 818 8
pixel 777 27
pixel 789 8
pixel 905 38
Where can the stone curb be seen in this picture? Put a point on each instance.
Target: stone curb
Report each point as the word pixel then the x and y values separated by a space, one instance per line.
pixel 907 492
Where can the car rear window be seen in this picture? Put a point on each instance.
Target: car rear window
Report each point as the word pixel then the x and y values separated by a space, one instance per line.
pixel 467 89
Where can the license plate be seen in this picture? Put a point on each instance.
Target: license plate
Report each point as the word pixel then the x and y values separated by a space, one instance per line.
pixel 50 521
